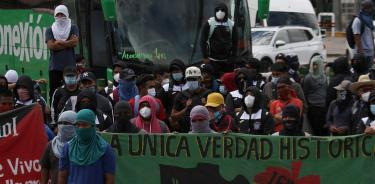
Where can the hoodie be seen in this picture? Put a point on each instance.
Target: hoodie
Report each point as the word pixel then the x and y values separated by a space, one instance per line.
pixel 259 121
pixel 222 45
pixel 26 82
pixel 342 72
pixel 103 120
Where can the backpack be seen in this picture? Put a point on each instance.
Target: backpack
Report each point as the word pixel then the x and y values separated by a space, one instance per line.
pixel 350 34
pixel 213 24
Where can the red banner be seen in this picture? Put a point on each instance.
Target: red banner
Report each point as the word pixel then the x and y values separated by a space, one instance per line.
pixel 22 142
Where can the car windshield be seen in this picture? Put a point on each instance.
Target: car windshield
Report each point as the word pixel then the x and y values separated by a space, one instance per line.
pixel 262 37
pixel 292 19
pixel 163 30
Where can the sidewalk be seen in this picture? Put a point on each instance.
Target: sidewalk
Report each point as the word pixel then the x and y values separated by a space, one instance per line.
pixel 336 46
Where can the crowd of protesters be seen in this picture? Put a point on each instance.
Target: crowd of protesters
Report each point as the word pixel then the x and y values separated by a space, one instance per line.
pixel 185 99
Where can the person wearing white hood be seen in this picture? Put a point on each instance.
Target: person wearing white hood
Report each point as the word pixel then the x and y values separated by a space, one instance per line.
pixel 61 38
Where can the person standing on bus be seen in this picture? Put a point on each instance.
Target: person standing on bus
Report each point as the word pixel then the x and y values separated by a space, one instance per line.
pixel 61 38
pixel 219 40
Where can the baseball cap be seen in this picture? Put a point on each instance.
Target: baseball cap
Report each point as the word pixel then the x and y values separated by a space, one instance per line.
pixel 88 76
pixel 70 70
pixel 127 74
pixel 344 85
pixel 214 100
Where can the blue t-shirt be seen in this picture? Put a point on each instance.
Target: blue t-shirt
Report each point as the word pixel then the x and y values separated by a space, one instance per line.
pixel 63 58
pixel 93 173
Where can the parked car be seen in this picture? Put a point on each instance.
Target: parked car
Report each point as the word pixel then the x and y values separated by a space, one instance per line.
pixel 270 41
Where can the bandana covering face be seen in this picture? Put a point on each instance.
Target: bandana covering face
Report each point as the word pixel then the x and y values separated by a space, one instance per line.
pixel 61 27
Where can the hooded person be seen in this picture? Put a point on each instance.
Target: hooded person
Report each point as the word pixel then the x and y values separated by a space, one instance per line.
pixel 367 123
pixel 53 151
pixel 3 82
pixel 253 117
pixel 122 116
pixel 147 118
pixel 293 65
pixel 199 120
pixel 233 100
pixel 86 99
pixel 340 68
pixel 339 116
pixel 219 40
pixel 61 38
pixel 208 79
pixel 292 122
pixel 87 158
pixel 177 83
pixel 254 66
pixel 315 89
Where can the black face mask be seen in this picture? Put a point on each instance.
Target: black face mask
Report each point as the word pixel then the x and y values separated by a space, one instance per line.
pixel 123 118
pixel 290 125
pixel 83 105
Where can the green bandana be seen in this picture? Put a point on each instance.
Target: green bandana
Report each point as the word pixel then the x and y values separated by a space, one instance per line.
pixel 87 147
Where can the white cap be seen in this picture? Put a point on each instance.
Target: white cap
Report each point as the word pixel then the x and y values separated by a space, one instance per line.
pixel 193 71
pixel 62 9
pixel 12 76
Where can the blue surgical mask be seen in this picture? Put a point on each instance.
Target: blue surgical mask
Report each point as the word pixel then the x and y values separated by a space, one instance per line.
pixel 217 116
pixel 274 80
pixel 372 108
pixel 92 89
pixel 70 80
pixel 222 89
pixel 177 76
pixel 193 85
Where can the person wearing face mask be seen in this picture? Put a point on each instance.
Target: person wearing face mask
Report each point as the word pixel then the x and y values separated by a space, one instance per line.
pixel 123 115
pixel 220 120
pixel 187 99
pixel 219 40
pixel 362 89
pixel 233 101
pixel 147 119
pixel 253 117
pixel 53 151
pixel 87 158
pixel 88 81
pixel 146 86
pixel 363 35
pixel 199 120
pixel 286 95
pixel 339 116
pixel 270 88
pixel 292 122
pixel 65 97
pixel 177 83
pixel 61 38
pixel 367 123
pixel 253 65
pixel 117 68
pixel 24 94
pixel 315 89
pixel 86 100
pixel 127 87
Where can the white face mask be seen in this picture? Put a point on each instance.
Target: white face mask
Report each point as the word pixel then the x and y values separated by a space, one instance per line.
pixel 365 96
pixel 116 77
pixel 220 15
pixel 145 112
pixel 249 101
pixel 151 92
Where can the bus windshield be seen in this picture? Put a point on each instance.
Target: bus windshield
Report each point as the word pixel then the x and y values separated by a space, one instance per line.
pixel 162 30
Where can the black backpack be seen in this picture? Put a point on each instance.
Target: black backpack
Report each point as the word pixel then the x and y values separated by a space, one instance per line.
pixel 350 34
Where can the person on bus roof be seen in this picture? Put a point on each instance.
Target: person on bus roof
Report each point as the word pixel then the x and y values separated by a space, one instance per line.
pixel 61 38
pixel 219 40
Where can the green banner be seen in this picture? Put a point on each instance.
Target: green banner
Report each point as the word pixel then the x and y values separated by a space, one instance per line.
pixel 22 41
pixel 242 159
